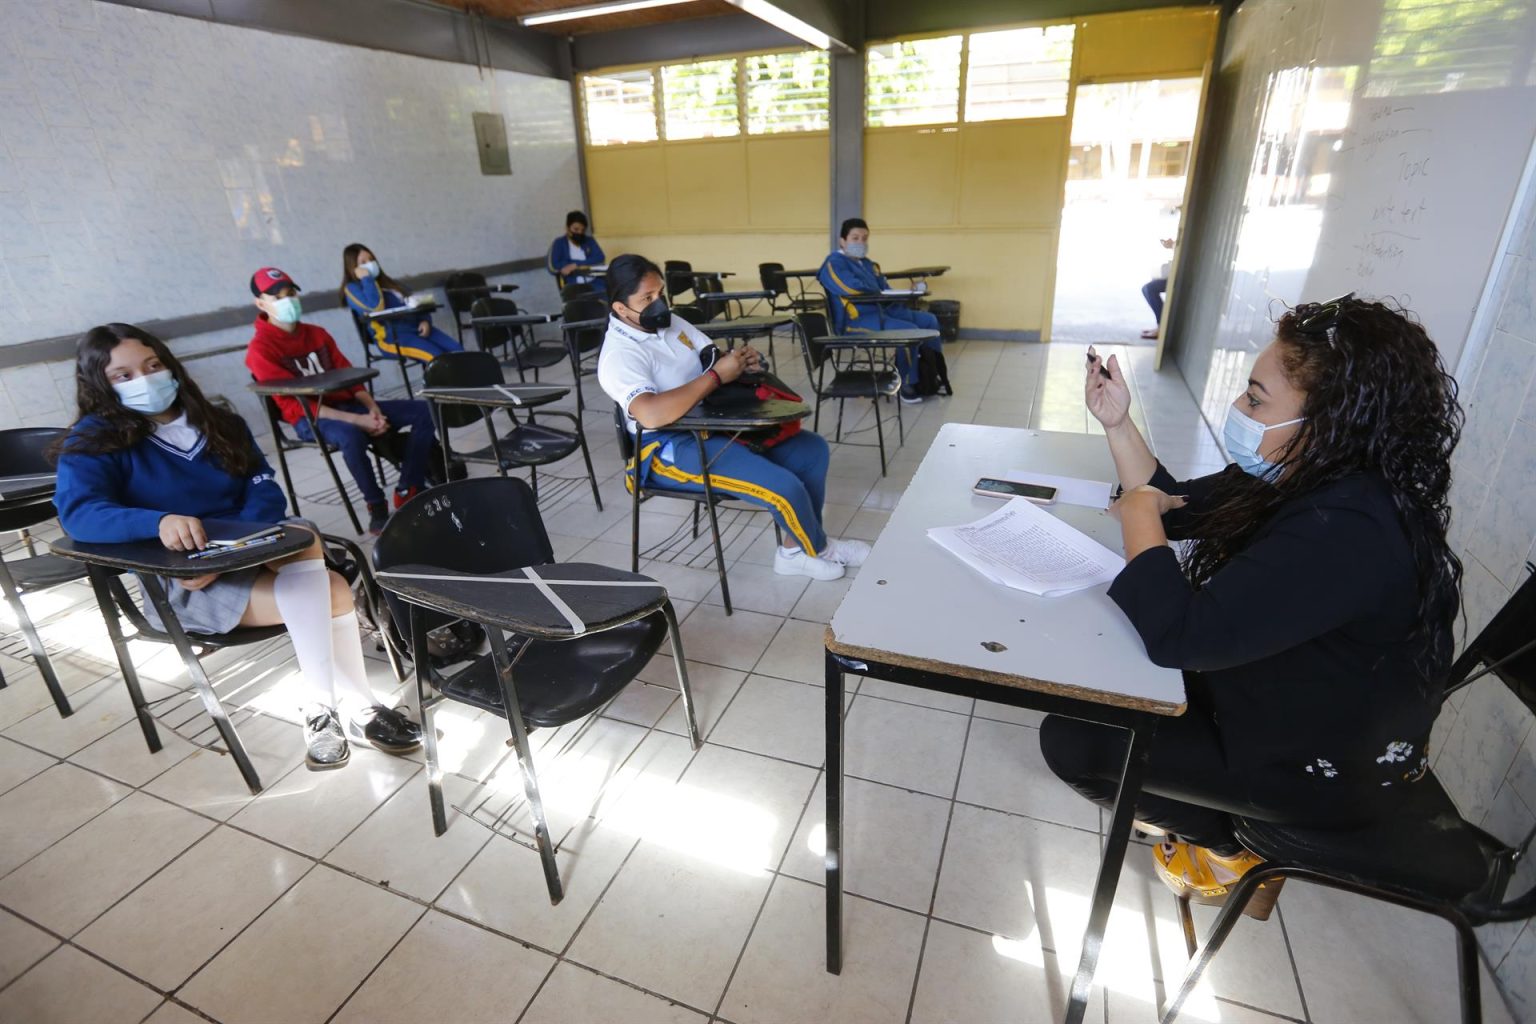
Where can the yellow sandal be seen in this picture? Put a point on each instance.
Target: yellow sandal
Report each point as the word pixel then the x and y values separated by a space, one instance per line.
pixel 1201 876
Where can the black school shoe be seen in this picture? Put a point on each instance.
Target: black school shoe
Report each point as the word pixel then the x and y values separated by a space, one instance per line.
pixel 378 515
pixel 325 747
pixel 386 728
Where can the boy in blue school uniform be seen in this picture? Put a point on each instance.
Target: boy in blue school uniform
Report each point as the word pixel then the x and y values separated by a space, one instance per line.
pixel 574 252
pixel 850 272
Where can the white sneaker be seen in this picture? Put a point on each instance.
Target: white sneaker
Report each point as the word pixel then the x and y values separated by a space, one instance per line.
pixel 798 563
pixel 848 552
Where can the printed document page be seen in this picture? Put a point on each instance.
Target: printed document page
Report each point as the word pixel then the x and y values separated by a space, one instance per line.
pixel 1025 547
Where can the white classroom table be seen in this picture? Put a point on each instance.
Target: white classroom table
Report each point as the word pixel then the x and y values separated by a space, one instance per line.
pixel 917 615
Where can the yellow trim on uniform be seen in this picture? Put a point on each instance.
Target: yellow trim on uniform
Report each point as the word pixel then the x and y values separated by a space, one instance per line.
pixel 409 352
pixel 849 308
pixel 773 499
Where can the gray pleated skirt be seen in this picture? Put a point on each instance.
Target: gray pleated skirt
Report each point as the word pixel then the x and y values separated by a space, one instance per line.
pixel 216 608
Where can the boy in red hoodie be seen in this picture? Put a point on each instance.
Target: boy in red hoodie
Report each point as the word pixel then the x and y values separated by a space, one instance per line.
pixel 284 348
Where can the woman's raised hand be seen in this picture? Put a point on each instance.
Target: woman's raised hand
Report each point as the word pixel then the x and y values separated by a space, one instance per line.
pixel 1108 399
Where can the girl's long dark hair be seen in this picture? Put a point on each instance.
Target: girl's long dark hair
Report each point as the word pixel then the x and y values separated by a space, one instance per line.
pixel 349 272
pixel 118 427
pixel 1379 401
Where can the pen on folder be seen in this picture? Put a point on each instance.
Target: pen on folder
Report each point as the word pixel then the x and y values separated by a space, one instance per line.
pixel 210 552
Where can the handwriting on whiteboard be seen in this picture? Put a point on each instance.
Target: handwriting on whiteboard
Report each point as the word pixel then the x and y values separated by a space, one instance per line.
pixel 1394 164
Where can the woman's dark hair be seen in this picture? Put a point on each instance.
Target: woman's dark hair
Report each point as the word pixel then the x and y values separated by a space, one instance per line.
pixel 349 263
pixel 625 274
pixel 1378 400
pixel 576 217
pixel 850 224
pixel 117 427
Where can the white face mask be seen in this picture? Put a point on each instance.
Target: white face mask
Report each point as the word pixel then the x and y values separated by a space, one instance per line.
pixel 1242 434
pixel 285 311
pixel 150 394
pixel 858 250
pixel 371 268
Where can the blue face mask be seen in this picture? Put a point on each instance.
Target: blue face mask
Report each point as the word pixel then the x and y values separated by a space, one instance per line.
pixel 371 268
pixel 1242 435
pixel 150 394
pixel 286 311
pixel 858 250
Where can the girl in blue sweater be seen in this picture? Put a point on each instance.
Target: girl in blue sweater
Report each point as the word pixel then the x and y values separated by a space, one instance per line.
pixel 365 288
pixel 151 458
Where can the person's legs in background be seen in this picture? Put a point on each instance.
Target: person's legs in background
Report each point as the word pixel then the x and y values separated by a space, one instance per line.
pixel 1153 291
pixel 416 416
pixel 353 443
pixel 807 455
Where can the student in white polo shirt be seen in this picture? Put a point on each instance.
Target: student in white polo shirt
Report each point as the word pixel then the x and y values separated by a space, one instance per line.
pixel 651 365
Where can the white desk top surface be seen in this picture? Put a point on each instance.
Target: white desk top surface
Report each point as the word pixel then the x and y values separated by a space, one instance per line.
pixel 914 604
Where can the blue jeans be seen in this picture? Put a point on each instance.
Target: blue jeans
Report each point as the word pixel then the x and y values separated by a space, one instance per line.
pixel 789 479
pixel 354 444
pixel 897 319
pixel 1152 291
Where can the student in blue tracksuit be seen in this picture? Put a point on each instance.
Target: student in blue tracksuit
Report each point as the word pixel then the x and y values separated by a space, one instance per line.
pixel 575 252
pixel 657 366
pixel 150 458
pixel 367 289
pixel 850 272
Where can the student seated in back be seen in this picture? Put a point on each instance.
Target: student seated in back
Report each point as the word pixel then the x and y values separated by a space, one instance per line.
pixel 657 366
pixel 574 253
pixel 849 273
pixel 365 289
pixel 284 348
pixel 150 458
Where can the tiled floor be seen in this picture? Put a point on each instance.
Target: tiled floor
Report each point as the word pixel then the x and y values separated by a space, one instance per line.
pixel 154 887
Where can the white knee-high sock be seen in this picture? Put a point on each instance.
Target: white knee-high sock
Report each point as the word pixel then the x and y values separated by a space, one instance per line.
pixel 302 591
pixel 349 674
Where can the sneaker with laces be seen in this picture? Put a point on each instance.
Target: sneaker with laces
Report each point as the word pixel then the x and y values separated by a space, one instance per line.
pixel 909 395
pixel 385 728
pixel 846 552
pixel 325 746
pixel 796 562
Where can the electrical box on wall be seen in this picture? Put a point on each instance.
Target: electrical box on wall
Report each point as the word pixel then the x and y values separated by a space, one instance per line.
pixel 491 143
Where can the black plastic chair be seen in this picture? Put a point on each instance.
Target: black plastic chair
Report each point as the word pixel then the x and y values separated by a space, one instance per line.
pixel 583 343
pixel 691 313
pixel 858 371
pixel 373 354
pixel 116 605
pixel 23 452
pixel 677 275
pixel 774 280
pixel 285 443
pixel 535 680
pixel 527 352
pixel 1426 858
pixel 528 445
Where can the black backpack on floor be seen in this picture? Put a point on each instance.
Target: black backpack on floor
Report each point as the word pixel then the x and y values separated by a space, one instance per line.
pixel 932 373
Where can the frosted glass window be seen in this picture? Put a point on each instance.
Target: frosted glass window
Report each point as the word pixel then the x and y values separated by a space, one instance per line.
pixel 914 82
pixel 621 107
pixel 787 92
pixel 700 100
pixel 1017 73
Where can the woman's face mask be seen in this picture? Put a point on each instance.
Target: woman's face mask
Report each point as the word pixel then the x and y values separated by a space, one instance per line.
pixel 150 394
pixel 654 317
pixel 369 269
pixel 1242 434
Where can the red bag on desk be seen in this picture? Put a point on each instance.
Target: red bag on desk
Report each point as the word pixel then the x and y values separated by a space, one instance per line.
pixel 755 387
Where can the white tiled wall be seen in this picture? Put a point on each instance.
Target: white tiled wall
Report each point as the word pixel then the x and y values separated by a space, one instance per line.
pixel 149 163
pixel 1487 739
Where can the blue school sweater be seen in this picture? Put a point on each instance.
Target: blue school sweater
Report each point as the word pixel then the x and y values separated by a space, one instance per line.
pixel 122 496
pixel 842 275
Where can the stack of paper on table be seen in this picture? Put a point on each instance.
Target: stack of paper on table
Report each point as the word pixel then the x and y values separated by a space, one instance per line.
pixel 1025 547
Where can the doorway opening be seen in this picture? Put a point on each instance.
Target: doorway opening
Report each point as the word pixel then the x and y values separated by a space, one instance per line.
pixel 1130 154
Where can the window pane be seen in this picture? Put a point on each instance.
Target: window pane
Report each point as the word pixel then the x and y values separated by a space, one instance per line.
pixel 1020 72
pixel 914 82
pixel 787 92
pixel 621 107
pixel 700 99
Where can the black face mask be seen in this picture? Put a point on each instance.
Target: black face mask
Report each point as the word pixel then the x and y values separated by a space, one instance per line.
pixel 656 316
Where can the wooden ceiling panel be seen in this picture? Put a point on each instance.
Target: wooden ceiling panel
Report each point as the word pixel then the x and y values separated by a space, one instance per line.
pixel 511 10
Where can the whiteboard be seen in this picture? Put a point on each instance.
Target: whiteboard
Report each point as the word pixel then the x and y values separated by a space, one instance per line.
pixel 1417 199
pixel 1363 145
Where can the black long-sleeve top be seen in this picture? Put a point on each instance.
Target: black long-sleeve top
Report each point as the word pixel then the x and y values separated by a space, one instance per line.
pixel 1299 645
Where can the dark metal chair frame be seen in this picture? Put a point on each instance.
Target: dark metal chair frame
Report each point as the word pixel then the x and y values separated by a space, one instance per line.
pixel 462 289
pixel 527 351
pixel 860 369
pixel 285 444
pixel 373 354
pixel 1507 649
pixel 583 343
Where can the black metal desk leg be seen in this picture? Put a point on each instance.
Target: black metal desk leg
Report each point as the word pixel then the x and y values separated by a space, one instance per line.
pixel 200 681
pixel 108 606
pixel 834 782
pixel 1109 869
pixel 325 454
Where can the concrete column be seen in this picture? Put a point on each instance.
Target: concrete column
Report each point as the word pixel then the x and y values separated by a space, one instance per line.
pixel 847 134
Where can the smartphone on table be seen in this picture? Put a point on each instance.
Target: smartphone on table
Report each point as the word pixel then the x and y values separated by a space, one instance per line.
pixel 1040 494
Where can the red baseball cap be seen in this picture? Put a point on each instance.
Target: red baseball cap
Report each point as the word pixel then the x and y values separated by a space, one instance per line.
pixel 270 280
